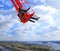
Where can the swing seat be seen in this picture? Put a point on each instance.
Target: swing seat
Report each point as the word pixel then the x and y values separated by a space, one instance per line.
pixel 26 17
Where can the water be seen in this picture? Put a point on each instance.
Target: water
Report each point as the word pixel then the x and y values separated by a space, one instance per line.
pixel 54 44
pixel 4 49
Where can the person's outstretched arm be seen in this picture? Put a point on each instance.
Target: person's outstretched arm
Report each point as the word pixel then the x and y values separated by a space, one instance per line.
pixel 25 10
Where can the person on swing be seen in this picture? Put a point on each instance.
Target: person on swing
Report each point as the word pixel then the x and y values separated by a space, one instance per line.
pixel 22 11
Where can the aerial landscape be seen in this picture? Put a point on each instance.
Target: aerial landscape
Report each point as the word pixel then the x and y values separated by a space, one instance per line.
pixel 30 46
pixel 29 25
pixel 24 46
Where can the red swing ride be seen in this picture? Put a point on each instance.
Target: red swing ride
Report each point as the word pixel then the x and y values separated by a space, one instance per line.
pixel 23 15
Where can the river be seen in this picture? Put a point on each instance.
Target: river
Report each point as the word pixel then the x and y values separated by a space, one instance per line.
pixel 4 49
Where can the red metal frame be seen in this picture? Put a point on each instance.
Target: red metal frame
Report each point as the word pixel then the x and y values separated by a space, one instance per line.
pixel 26 16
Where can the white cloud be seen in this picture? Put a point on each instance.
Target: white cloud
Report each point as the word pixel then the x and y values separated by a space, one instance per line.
pixel 29 30
pixel 54 3
pixel 46 13
pixel 7 22
pixel 43 0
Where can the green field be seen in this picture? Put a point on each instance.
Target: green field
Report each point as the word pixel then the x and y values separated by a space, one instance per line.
pixel 24 47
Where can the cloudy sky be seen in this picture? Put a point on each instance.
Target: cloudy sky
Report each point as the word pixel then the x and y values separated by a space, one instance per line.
pixel 47 28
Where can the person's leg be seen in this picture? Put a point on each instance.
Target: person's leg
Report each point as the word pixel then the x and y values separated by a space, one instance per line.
pixel 34 18
pixel 32 21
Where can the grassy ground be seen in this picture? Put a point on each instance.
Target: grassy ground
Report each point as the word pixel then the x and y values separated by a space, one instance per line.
pixel 23 47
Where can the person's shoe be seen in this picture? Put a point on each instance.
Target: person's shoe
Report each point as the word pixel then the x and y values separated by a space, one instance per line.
pixel 32 21
pixel 37 18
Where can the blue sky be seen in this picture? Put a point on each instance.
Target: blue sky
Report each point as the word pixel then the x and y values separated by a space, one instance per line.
pixel 47 28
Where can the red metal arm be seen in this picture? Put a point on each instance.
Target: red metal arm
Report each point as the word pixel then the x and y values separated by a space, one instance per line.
pixel 19 3
pixel 16 7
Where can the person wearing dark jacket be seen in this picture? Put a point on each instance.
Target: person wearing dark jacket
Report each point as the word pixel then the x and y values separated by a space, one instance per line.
pixel 21 13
